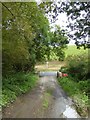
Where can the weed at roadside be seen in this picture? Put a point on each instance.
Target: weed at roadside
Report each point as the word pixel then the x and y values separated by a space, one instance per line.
pixel 74 90
pixel 16 84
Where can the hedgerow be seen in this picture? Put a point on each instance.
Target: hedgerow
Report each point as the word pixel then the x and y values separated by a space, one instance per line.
pixel 15 85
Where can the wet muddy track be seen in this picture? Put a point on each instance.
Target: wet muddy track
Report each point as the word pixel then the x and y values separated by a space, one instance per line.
pixel 46 100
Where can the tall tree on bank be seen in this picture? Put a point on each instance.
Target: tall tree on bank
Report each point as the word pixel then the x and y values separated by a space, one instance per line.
pixel 25 30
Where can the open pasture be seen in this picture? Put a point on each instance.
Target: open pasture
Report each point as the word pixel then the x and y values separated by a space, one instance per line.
pixel 72 50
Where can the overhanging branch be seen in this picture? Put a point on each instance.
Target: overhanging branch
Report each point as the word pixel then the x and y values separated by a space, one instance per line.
pixel 8 9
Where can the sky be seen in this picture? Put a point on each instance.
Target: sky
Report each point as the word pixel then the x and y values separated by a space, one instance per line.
pixel 62 22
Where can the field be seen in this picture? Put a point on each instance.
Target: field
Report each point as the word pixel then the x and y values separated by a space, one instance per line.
pixel 56 65
pixel 52 66
pixel 72 50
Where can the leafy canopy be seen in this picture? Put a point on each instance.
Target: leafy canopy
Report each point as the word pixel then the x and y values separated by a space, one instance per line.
pixel 78 14
pixel 27 37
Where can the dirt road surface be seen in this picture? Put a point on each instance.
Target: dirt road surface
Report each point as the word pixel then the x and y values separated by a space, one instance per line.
pixel 46 100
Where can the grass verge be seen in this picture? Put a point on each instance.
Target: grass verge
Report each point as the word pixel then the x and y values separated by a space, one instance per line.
pixel 74 90
pixel 15 85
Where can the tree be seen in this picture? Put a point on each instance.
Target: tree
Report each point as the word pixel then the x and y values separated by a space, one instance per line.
pixel 26 36
pixel 24 33
pixel 59 42
pixel 78 12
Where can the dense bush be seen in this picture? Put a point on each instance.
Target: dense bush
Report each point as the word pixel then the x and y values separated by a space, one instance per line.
pixel 77 83
pixel 53 55
pixel 77 66
pixel 23 35
pixel 16 84
pixel 27 37
pixel 63 69
pixel 78 70
pixel 61 55
pixel 84 85
pixel 77 90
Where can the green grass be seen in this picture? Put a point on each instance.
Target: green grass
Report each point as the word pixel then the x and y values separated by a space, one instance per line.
pixel 72 50
pixel 15 85
pixel 77 91
pixel 46 100
pixel 45 103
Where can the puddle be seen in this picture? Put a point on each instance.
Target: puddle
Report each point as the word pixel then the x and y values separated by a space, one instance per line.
pixel 70 112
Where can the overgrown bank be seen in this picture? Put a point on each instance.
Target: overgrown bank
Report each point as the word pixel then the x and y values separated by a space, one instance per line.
pixel 15 85
pixel 77 91
pixel 76 83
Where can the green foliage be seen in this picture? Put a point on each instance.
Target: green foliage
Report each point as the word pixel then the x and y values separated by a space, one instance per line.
pixel 78 92
pixel 72 50
pixel 78 12
pixel 26 39
pixel 84 85
pixel 58 42
pixel 67 85
pixel 46 100
pixel 61 54
pixel 63 69
pixel 80 20
pixel 53 55
pixel 78 88
pixel 78 66
pixel 15 85
pixel 77 83
pixel 45 103
pixel 25 36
